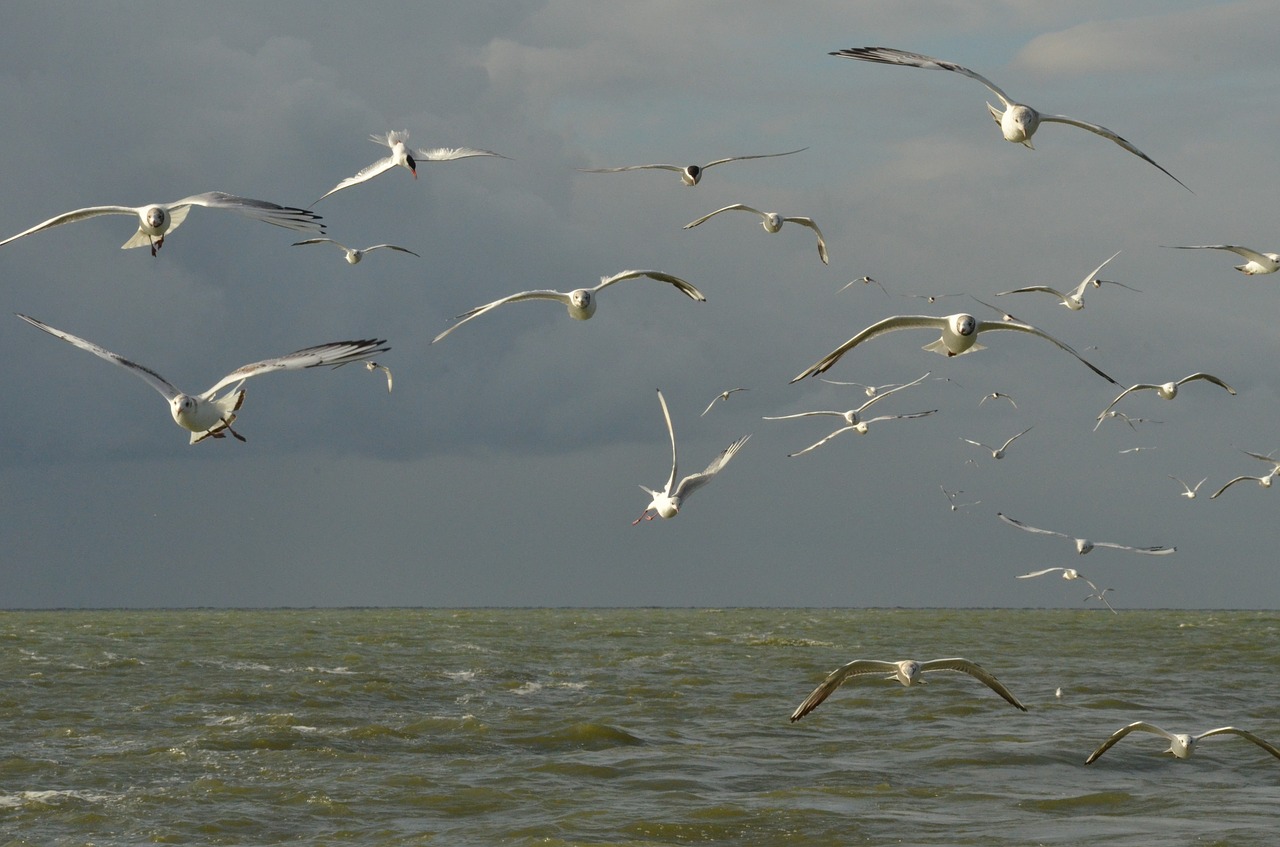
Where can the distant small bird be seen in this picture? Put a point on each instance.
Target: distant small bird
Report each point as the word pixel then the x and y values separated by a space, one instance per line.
pixel 1135 450
pixel 723 395
pixel 869 390
pixel 1074 299
pixel 771 221
pixel 1188 491
pixel 1070 574
pixel 1084 545
pixel 402 156
pixel 996 395
pixel 689 174
pixel 853 417
pixel 997 452
pixel 865 280
pixel 932 298
pixel 1132 422
pixel 951 498
pixel 353 255
pixel 1258 263
pixel 1167 391
pixel 1101 597
pixel 374 366
pixel 1181 744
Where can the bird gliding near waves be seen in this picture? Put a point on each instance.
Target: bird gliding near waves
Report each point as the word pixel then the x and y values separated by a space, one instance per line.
pixel 908 672
pixel 667 502
pixel 1073 299
pixel 1018 121
pixel 1166 390
pixel 581 302
pixel 206 414
pixel 959 336
pixel 157 220
pixel 1084 545
pixel 352 255
pixel 403 157
pixel 1070 574
pixel 772 222
pixel 1181 744
pixel 689 174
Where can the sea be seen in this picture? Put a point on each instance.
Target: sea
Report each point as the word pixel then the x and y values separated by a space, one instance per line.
pixel 630 727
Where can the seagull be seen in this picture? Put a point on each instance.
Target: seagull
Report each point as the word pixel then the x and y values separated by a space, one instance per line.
pixel 1084 545
pixel 1072 573
pixel 667 502
pixel 1101 597
pixel 1135 450
pixel 723 395
pixel 959 336
pixel 1018 121
pixel 861 427
pixel 853 417
pixel 951 497
pixel 996 395
pixel 372 366
pixel 206 414
pixel 689 174
pixel 157 220
pixel 932 298
pixel 1258 263
pixel 908 672
pixel 1188 491
pixel 1167 391
pixel 865 280
pixel 1132 422
pixel 1181 744
pixel 1074 299
pixel 1263 481
pixel 353 256
pixel 772 222
pixel 869 390
pixel 997 452
pixel 402 156
pixel 581 302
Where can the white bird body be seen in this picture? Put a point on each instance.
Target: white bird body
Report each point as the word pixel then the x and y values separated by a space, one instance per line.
pixel 689 174
pixel 1084 545
pixel 772 222
pixel 402 157
pixel 1073 299
pixel 206 415
pixel 908 672
pixel 353 255
pixel 1256 262
pixel 1188 491
pixel 1166 390
pixel 1181 744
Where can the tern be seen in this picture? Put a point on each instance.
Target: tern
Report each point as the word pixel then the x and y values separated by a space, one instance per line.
pixel 997 452
pixel 959 336
pixel 723 395
pixel 207 415
pixel 689 174
pixel 1166 390
pixel 667 502
pixel 1181 744
pixel 353 255
pixel 403 157
pixel 772 222
pixel 581 302
pixel 1074 299
pixel 908 672
pixel 1188 491
pixel 1018 121
pixel 157 220
pixel 1084 545
pixel 1258 263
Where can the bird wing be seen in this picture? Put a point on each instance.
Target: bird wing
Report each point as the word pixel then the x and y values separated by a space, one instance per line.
pixel 628 168
pixel 445 154
pixel 332 354
pixel 1150 551
pixel 757 156
pixel 837 678
pixel 72 217
pixel 879 328
pixel 729 208
pixel 364 174
pixel 1141 386
pixel 974 670
pixel 390 139
pixel 1005 446
pixel 671 431
pixel 804 415
pixel 1136 726
pixel 1109 134
pixel 890 56
pixel 289 217
pixel 1207 378
pixel 983 326
pixel 319 241
pixel 822 245
pixel 685 288
pixel 876 398
pixel 540 294
pixel 1092 277
pixel 819 443
pixel 1046 289
pixel 152 378
pixel 1233 482
pixel 1039 573
pixel 693 482
pixel 391 247
pixel 1021 525
pixel 1254 255
pixel 1243 734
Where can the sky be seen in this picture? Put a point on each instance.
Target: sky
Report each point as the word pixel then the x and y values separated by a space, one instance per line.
pixel 504 468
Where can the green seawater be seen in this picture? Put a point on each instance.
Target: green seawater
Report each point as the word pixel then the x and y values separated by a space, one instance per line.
pixel 629 727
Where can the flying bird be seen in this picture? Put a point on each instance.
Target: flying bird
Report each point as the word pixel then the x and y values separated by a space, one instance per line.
pixel 1167 391
pixel 1072 574
pixel 959 336
pixel 861 427
pixel 207 415
pixel 1018 121
pixel 908 672
pixel 869 390
pixel 1101 597
pixel 865 280
pixel 951 498
pixel 581 302
pixel 157 220
pixel 723 395
pixel 667 502
pixel 996 395
pixel 353 255
pixel 1181 744
pixel 1084 545
pixel 689 174
pixel 1258 263
pixel 997 452
pixel 853 417
pixel 1188 491
pixel 1073 299
pixel 403 157
pixel 772 222
pixel 1263 481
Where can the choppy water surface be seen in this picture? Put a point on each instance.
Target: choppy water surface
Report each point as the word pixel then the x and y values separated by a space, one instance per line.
pixel 632 726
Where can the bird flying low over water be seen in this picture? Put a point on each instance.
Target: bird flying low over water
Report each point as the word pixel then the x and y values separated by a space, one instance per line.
pixel 1257 263
pixel 1166 390
pixel 1181 744
pixel 402 156
pixel 908 672
pixel 689 174
pixel 157 220
pixel 353 256
pixel 1018 121
pixel 1074 299
pixel 1084 545
pixel 959 336
pixel 772 222
pixel 1071 574
pixel 207 415
pixel 581 302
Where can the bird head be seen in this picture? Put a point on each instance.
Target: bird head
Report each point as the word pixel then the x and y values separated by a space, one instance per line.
pixel 692 174
pixel 963 325
pixel 155 217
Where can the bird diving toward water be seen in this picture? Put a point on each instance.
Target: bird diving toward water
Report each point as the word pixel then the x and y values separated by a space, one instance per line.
pixel 353 256
pixel 1018 121
pixel 207 415
pixel 1073 299
pixel 1084 545
pixel 772 222
pixel 1181 744
pixel 689 174
pixel 402 156
pixel 1166 390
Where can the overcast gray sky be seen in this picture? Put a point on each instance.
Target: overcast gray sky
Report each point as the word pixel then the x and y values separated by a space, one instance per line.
pixel 503 470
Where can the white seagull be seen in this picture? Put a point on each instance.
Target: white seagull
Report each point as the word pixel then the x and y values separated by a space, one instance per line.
pixel 667 502
pixel 403 157
pixel 581 302
pixel 1263 481
pixel 1084 545
pixel 996 395
pixel 1071 574
pixel 997 452
pixel 206 414
pixel 908 672
pixel 951 498
pixel 1101 597
pixel 869 390
pixel 1073 299
pixel 772 222
pixel 959 336
pixel 353 255
pixel 689 174
pixel 1018 121
pixel 853 417
pixel 157 220
pixel 861 427
pixel 1258 263
pixel 865 280
pixel 1181 744
pixel 1166 390
pixel 1188 491
pixel 723 395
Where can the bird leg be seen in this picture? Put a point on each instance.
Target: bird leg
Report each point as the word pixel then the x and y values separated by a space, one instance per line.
pixel 644 516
